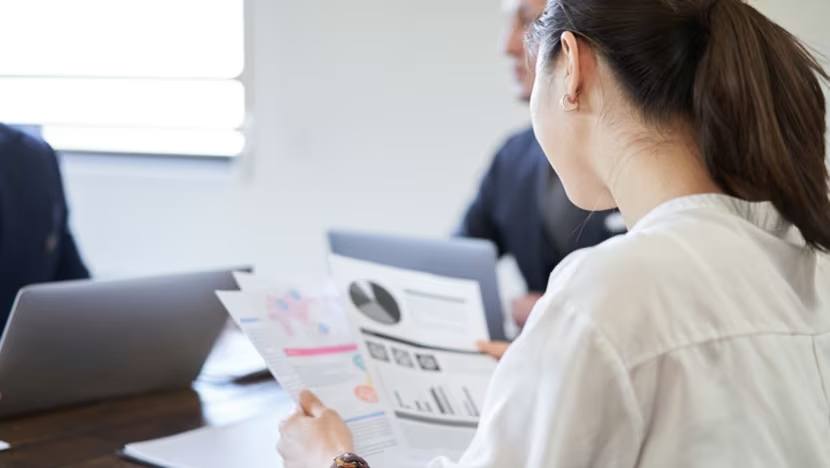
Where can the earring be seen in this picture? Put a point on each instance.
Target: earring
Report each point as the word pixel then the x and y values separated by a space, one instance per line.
pixel 569 104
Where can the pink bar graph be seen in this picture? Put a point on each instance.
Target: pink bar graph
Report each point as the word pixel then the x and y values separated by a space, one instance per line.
pixel 290 352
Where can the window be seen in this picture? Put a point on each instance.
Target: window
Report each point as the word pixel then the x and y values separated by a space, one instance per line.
pixel 126 76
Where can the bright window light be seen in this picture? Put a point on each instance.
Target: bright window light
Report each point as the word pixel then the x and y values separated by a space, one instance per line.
pixel 145 141
pixel 123 38
pixel 95 71
pixel 124 102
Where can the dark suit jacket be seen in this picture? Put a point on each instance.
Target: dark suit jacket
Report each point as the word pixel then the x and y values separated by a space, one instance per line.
pixel 507 210
pixel 35 243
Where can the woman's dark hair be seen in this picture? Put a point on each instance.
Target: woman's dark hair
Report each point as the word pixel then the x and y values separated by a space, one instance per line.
pixel 751 90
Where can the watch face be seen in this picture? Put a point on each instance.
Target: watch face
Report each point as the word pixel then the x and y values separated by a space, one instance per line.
pixel 350 460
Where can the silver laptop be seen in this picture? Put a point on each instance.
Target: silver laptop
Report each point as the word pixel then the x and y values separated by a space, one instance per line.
pixel 471 259
pixel 82 341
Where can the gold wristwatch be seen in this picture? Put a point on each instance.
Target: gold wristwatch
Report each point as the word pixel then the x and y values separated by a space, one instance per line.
pixel 349 460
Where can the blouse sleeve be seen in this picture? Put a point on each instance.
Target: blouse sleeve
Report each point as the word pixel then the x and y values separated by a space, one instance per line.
pixel 561 397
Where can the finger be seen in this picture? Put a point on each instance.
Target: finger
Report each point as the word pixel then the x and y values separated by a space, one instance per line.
pixel 288 423
pixel 282 447
pixel 311 405
pixel 495 349
pixel 489 346
pixel 287 452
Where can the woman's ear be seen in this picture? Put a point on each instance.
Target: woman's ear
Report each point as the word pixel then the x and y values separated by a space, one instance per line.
pixel 573 65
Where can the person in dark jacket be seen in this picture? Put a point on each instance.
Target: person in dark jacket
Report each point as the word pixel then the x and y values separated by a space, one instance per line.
pixel 521 205
pixel 36 245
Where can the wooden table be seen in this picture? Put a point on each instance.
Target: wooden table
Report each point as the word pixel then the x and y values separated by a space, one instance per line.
pixel 89 436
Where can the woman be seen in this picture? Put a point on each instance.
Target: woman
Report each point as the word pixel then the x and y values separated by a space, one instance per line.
pixel 702 337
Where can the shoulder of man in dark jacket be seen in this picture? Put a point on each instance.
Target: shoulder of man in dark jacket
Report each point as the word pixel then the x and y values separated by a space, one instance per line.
pixel 36 244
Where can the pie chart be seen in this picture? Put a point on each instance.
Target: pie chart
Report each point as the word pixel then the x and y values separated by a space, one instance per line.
pixel 375 302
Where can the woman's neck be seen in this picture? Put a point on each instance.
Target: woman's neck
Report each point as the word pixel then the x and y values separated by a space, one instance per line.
pixel 648 175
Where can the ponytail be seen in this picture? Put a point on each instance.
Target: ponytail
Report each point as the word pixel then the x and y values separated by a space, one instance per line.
pixel 760 112
pixel 751 90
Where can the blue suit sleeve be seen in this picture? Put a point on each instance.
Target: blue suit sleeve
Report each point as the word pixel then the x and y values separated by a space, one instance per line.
pixel 70 266
pixel 479 220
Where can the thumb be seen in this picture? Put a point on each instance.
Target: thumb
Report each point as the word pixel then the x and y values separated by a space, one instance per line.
pixel 311 405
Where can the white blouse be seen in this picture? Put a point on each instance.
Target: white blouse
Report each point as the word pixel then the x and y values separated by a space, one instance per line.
pixel 699 339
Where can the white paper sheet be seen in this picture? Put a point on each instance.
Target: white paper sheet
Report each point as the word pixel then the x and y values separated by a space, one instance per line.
pixel 249 444
pixel 233 357
pixel 418 334
pixel 391 350
pixel 246 444
pixel 306 341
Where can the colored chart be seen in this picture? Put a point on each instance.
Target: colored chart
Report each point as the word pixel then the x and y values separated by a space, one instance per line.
pixel 375 302
pixel 301 316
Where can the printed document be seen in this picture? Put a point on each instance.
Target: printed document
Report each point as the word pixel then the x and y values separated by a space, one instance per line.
pixel 391 350
pixel 306 343
pixel 418 332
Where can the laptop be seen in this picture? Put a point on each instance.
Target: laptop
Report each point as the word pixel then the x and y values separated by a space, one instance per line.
pixel 471 259
pixel 82 341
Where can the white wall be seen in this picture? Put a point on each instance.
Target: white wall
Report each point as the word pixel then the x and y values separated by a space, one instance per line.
pixel 370 114
pixel 808 19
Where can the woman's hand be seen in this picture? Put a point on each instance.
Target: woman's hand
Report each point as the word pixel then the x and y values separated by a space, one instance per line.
pixel 495 349
pixel 313 436
pixel 523 306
